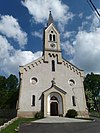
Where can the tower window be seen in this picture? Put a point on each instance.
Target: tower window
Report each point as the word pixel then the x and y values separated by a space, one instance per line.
pixel 73 101
pixel 54 38
pixel 53 65
pixel 50 37
pixel 33 100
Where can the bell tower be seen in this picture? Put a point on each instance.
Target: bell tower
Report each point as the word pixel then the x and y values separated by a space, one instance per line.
pixel 51 40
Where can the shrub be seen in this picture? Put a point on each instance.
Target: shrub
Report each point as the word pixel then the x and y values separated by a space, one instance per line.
pixel 39 115
pixel 71 113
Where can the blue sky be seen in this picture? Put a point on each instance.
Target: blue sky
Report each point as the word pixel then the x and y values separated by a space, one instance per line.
pixel 22 23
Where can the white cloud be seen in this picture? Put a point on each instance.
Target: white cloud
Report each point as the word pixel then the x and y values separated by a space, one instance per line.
pixel 38 34
pixel 5 48
pixel 24 57
pixel 10 27
pixel 81 15
pixel 11 59
pixel 68 48
pixel 91 23
pixel 68 34
pixel 39 9
pixel 87 51
pixel 95 22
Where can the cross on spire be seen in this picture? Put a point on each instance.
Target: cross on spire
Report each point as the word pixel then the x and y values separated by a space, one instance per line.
pixel 50 20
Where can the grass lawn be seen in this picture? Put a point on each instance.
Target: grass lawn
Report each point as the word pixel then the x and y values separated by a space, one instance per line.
pixel 95 114
pixel 11 128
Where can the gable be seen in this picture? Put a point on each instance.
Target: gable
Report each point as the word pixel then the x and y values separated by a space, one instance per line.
pixel 51 26
pixel 73 68
pixel 40 60
pixel 54 88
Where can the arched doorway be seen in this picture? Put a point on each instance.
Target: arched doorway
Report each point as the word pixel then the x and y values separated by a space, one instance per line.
pixel 54 109
pixel 54 104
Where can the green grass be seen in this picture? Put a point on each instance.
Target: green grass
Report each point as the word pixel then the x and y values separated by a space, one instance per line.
pixel 95 114
pixel 11 128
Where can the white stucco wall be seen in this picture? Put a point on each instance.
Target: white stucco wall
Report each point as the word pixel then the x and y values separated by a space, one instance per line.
pixel 43 72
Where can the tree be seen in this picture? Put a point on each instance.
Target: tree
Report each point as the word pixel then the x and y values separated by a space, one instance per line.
pixel 2 82
pixel 8 92
pixel 89 99
pixel 12 98
pixel 12 87
pixel 3 94
pixel 12 82
pixel 92 90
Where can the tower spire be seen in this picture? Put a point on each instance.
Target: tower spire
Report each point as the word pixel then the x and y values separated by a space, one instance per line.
pixel 50 20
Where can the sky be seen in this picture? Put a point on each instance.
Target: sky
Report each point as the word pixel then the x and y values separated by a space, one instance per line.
pixel 21 32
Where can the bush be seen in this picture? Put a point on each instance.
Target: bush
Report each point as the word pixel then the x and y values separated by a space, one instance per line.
pixel 71 113
pixel 39 115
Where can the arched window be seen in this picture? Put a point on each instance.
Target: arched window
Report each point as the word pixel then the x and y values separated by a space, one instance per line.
pixel 54 39
pixel 53 65
pixel 73 101
pixel 50 37
pixel 33 100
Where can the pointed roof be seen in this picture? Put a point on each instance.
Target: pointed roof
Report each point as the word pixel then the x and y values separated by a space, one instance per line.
pixel 50 20
pixel 56 88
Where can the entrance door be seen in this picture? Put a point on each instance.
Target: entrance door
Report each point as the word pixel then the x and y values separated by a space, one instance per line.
pixel 54 109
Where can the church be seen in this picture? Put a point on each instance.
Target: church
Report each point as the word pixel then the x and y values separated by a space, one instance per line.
pixel 51 84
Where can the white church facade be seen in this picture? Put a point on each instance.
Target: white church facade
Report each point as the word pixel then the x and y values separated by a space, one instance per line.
pixel 51 84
